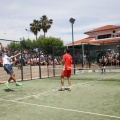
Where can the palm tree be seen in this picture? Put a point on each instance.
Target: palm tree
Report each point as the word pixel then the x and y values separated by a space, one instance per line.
pixel 45 23
pixel 35 27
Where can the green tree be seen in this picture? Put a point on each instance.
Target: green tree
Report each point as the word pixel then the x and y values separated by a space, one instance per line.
pixel 43 43
pixel 13 46
pixel 35 27
pixel 49 41
pixel 29 44
pixel 46 44
pixel 45 23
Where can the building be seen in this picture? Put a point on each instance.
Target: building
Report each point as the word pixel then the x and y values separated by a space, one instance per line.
pixel 105 34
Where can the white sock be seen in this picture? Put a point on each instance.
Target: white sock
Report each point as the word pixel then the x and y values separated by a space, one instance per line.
pixel 16 82
pixel 69 86
pixel 63 87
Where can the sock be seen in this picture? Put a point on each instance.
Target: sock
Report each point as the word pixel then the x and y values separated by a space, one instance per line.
pixel 69 86
pixel 16 82
pixel 63 87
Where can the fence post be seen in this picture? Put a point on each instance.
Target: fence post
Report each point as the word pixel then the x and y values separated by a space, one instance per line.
pixel 39 63
pixel 89 55
pixel 30 67
pixel 119 52
pixel 82 55
pixel 53 63
pixel 103 48
pixel 47 65
pixel 21 60
pixel 74 58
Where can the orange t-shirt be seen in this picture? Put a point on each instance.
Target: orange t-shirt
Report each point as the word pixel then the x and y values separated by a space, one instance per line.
pixel 67 60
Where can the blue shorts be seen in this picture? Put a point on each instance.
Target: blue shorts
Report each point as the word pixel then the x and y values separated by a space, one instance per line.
pixel 8 68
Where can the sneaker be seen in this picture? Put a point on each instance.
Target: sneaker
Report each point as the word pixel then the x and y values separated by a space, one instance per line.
pixel 7 85
pixel 19 84
pixel 69 89
pixel 61 89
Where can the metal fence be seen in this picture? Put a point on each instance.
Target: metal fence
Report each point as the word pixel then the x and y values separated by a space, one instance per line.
pixel 89 55
pixel 45 61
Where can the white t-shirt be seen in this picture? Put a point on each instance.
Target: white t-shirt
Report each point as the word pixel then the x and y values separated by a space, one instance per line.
pixel 6 59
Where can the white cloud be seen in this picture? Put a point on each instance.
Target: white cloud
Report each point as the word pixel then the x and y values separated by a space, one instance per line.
pixel 16 15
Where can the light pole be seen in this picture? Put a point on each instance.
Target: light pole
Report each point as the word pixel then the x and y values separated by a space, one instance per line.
pixel 28 32
pixel 72 20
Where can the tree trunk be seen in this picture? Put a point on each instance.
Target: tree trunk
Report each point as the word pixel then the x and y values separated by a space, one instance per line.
pixel 36 37
pixel 44 34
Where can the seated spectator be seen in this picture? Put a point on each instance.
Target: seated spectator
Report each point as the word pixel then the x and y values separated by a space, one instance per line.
pixel 55 61
pixel 49 60
pixel 34 61
pixel 1 61
pixel 42 60
pixel 28 61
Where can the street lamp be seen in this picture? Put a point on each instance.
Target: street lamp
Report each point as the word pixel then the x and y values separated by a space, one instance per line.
pixel 28 32
pixel 72 20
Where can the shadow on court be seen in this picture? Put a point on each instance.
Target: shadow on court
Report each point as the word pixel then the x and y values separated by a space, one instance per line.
pixel 9 90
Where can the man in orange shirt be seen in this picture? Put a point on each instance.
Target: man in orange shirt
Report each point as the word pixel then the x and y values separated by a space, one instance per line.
pixel 66 72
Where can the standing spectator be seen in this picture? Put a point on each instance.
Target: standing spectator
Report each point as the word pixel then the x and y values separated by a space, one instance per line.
pixel 103 64
pixel 66 72
pixel 7 66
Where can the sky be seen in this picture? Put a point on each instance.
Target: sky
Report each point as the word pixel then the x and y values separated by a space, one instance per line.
pixel 16 15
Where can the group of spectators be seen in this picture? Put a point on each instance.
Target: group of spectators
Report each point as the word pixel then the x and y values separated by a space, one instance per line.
pixel 111 57
pixel 44 60
pixel 32 59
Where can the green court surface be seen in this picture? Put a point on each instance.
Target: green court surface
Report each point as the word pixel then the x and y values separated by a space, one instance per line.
pixel 94 96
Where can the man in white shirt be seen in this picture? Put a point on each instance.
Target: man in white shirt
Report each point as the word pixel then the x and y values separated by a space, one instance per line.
pixel 7 66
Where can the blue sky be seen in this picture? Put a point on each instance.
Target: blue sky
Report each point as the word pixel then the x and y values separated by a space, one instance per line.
pixel 16 15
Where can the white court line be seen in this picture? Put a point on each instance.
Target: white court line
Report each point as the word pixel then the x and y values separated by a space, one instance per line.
pixel 70 110
pixel 53 90
pixel 36 95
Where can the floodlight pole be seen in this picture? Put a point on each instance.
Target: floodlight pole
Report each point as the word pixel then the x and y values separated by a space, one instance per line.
pixel 72 20
pixel 28 32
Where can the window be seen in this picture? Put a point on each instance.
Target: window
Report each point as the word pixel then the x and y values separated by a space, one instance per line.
pixel 104 36
pixel 113 31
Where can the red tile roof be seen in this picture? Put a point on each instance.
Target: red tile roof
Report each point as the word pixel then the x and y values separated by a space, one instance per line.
pixel 107 40
pixel 107 27
pixel 85 40
pixel 95 41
